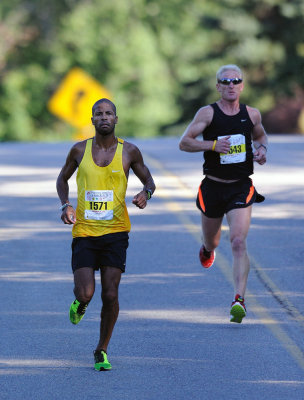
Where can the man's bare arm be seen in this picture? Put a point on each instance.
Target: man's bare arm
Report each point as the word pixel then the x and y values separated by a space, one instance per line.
pixel 201 120
pixel 143 174
pixel 68 215
pixel 259 136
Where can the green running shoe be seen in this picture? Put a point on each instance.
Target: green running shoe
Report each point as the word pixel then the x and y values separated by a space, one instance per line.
pixel 101 361
pixel 238 309
pixel 77 311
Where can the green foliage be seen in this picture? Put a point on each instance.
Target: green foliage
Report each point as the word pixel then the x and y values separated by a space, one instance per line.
pixel 158 58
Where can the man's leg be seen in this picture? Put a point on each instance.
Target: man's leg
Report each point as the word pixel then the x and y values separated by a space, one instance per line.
pixel 211 228
pixel 110 279
pixel 239 223
pixel 84 286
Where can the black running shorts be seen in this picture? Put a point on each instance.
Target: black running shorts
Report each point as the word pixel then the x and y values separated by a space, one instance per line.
pixel 100 251
pixel 214 199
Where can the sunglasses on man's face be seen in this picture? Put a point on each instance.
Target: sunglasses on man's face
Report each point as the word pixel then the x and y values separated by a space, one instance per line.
pixel 226 81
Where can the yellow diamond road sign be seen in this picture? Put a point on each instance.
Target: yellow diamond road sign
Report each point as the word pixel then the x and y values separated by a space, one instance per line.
pixel 75 97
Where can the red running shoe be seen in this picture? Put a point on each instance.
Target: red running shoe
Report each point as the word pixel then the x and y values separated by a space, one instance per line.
pixel 238 309
pixel 206 257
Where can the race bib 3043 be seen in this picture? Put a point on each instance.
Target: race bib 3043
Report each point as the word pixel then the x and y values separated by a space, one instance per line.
pixel 237 152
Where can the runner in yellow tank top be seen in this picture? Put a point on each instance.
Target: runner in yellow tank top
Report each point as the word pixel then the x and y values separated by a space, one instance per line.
pixel 101 222
pixel 101 195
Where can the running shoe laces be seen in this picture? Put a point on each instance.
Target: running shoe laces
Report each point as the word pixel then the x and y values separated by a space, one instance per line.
pixel 81 308
pixel 77 311
pixel 238 309
pixel 206 257
pixel 101 361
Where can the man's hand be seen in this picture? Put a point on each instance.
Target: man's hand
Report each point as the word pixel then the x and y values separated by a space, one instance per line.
pixel 223 145
pixel 260 155
pixel 68 216
pixel 140 200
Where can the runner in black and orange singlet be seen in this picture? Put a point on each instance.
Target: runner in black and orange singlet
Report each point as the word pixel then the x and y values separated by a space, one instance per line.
pixel 101 221
pixel 229 130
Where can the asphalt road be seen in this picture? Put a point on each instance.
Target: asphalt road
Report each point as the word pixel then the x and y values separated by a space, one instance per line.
pixel 173 338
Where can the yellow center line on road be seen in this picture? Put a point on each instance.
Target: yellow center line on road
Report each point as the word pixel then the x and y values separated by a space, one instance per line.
pixel 266 319
pixel 276 292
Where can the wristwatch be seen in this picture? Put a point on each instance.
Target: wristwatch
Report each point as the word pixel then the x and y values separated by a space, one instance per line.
pixel 262 145
pixel 149 194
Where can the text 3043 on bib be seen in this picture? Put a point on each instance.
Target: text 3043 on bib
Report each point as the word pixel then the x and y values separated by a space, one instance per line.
pixel 237 152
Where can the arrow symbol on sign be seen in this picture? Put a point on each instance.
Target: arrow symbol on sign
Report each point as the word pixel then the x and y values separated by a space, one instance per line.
pixel 76 99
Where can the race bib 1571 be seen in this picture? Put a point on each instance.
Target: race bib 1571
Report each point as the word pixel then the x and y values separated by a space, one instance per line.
pixel 98 205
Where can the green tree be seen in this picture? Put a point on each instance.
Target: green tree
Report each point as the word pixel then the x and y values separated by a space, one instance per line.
pixel 157 58
pixel 117 46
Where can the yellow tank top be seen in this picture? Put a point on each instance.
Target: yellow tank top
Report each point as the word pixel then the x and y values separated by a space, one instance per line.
pixel 101 207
